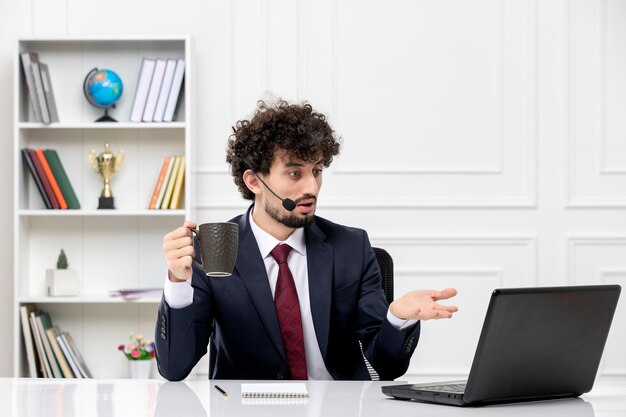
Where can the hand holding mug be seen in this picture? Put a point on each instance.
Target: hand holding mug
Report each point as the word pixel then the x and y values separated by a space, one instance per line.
pixel 179 252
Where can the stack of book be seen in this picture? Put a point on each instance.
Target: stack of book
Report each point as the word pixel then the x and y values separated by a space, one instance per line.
pixel 39 88
pixel 158 90
pixel 51 179
pixel 136 293
pixel 167 192
pixel 51 353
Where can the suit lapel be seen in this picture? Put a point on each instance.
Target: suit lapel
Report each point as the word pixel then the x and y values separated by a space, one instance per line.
pixel 320 268
pixel 251 269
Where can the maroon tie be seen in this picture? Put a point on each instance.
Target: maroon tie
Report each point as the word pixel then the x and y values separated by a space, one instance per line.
pixel 288 312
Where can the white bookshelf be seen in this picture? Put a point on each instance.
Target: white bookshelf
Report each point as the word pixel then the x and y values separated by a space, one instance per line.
pixel 111 249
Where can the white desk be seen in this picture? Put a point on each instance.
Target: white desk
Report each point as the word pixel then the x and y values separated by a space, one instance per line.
pixel 148 398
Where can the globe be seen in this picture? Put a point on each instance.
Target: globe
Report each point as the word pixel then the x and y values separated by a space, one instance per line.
pixel 103 88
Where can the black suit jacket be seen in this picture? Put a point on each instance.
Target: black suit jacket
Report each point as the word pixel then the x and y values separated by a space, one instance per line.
pixel 347 302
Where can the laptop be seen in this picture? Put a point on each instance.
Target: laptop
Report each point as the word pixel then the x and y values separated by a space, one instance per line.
pixel 536 344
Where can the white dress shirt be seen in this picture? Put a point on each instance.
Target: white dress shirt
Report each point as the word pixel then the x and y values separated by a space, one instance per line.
pixel 180 295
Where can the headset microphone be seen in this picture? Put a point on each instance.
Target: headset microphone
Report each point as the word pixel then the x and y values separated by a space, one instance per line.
pixel 288 204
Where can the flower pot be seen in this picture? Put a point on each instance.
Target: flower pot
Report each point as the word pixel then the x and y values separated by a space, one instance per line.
pixel 62 282
pixel 140 369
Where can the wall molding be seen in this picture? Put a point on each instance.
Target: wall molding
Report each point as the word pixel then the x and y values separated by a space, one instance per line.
pixel 573 199
pixel 526 200
pixel 497 128
pixel 527 242
pixel 460 272
pixel 574 241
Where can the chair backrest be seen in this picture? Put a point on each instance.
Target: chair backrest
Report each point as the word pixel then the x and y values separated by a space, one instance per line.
pixel 385 263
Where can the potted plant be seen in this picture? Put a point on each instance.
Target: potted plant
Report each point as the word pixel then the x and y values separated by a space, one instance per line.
pixel 62 281
pixel 139 353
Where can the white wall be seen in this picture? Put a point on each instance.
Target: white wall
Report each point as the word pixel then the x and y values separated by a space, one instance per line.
pixel 483 141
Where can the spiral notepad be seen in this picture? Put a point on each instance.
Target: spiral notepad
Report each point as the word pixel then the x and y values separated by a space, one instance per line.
pixel 274 390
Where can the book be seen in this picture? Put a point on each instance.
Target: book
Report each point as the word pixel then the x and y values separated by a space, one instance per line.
pixel 33 172
pixel 53 182
pixel 48 92
pixel 41 94
pixel 44 322
pixel 52 333
pixel 170 184
pixel 172 98
pixel 61 176
pixel 46 371
pixel 168 78
pixel 178 186
pixel 135 293
pixel 155 89
pixel 159 183
pixel 26 58
pixel 43 178
pixel 29 346
pixel 170 168
pixel 143 86
pixel 68 356
pixel 274 390
pixel 80 361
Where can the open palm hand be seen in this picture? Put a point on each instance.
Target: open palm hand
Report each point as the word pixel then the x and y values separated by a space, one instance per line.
pixel 423 305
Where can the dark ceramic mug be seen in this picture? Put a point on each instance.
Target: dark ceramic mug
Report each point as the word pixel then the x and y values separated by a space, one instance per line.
pixel 218 247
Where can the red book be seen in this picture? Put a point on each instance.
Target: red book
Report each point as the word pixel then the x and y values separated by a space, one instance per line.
pixel 43 178
pixel 53 182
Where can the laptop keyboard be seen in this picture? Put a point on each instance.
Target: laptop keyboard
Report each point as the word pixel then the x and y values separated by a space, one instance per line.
pixel 455 388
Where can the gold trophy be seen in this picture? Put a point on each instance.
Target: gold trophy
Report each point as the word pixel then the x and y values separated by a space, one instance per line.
pixel 106 164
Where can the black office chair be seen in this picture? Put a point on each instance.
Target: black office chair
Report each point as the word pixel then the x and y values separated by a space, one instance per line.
pixel 385 263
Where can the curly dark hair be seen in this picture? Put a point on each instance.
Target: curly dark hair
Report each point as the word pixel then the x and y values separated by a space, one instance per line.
pixel 294 128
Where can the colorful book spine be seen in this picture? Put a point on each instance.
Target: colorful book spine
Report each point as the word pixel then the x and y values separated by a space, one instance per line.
pixel 44 323
pixel 52 333
pixel 68 355
pixel 46 371
pixel 43 178
pixel 170 184
pixel 29 344
pixel 53 182
pixel 33 173
pixel 80 361
pixel 62 179
pixel 170 167
pixel 159 183
pixel 178 186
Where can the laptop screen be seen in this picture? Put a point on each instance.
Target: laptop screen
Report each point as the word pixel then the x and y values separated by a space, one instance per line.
pixel 541 342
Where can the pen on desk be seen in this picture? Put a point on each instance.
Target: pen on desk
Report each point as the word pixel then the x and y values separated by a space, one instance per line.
pixel 224 393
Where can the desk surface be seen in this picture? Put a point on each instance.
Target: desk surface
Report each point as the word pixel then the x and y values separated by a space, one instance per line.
pixel 143 398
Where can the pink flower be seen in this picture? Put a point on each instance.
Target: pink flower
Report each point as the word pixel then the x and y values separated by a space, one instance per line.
pixel 135 354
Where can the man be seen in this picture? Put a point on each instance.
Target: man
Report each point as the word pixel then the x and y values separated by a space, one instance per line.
pixel 305 293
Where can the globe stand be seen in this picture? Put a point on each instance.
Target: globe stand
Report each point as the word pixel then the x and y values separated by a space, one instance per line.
pixel 106 117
